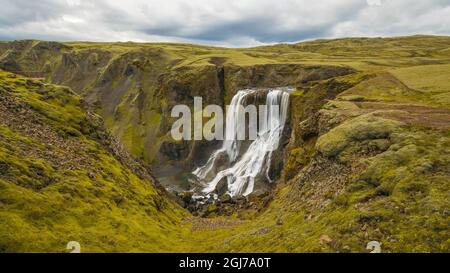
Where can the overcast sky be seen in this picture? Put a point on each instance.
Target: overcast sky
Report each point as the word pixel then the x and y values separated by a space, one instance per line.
pixel 225 22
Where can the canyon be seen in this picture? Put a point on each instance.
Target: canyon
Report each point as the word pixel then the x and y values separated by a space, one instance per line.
pixel 362 155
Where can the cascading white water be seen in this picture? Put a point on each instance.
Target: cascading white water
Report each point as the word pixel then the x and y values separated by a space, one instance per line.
pixel 256 160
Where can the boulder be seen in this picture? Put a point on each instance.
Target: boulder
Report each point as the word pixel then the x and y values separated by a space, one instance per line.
pixel 186 197
pixel 226 198
pixel 325 239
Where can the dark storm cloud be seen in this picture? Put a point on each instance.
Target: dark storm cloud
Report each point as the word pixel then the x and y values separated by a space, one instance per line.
pixel 21 11
pixel 232 22
pixel 259 29
pixel 266 24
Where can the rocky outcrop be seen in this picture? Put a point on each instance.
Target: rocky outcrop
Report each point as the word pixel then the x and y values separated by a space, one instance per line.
pixel 226 205
pixel 276 75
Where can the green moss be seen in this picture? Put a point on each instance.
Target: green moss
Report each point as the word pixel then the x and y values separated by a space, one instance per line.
pixel 366 127
pixel 336 104
pixel 429 81
pixel 352 98
pixel 133 140
pixel 297 92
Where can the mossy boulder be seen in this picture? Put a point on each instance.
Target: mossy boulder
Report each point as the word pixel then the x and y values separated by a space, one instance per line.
pixel 365 127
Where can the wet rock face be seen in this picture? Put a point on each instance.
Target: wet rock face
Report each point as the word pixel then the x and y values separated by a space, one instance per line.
pixel 177 92
pixel 201 152
pixel 276 164
pixel 222 187
pixel 174 151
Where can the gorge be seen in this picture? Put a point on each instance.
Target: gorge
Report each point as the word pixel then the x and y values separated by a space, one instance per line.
pixel 362 142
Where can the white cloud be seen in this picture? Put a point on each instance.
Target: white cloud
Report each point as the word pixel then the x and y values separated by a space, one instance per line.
pixel 73 2
pixel 232 22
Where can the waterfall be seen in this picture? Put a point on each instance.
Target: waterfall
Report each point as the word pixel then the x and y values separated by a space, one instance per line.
pixel 255 162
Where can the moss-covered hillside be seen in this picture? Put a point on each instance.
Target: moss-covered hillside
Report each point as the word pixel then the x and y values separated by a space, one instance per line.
pixel 62 178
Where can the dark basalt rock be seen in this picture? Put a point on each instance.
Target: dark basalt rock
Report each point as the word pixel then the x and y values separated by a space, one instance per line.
pixel 226 198
pixel 173 151
pixel 186 197
pixel 130 70
pixel 222 187
pixel 225 204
